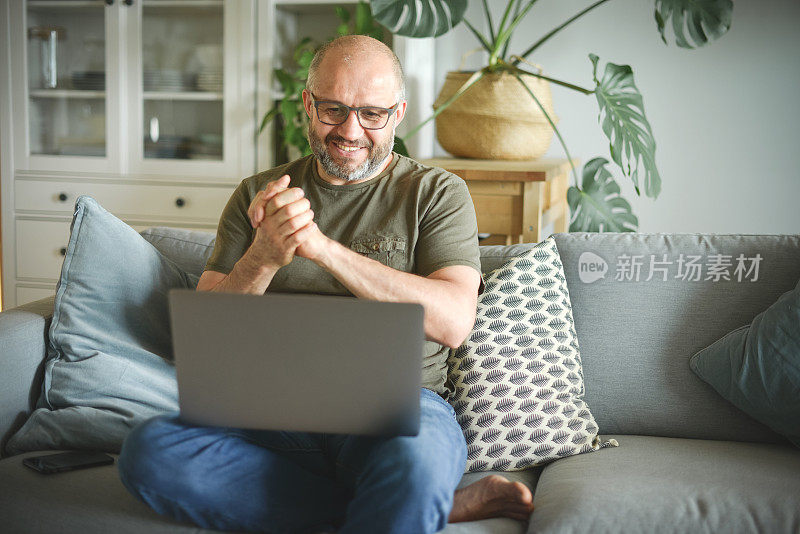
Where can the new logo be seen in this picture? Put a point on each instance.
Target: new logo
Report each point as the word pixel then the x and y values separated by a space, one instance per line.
pixel 591 267
pixel 687 267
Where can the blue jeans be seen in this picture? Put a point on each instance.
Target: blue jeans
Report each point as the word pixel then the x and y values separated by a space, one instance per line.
pixel 270 481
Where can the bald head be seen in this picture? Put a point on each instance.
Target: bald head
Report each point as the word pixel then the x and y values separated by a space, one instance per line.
pixel 357 50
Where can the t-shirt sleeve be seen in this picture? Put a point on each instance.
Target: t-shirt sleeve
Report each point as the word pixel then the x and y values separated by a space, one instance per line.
pixel 234 233
pixel 448 231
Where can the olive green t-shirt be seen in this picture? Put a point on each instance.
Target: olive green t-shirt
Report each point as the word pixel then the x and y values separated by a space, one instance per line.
pixel 413 218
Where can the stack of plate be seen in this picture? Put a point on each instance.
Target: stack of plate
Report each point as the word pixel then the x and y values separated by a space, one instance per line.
pixel 90 80
pixel 207 146
pixel 210 80
pixel 168 147
pixel 167 80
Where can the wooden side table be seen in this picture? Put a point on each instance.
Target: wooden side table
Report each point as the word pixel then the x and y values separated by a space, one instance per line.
pixel 514 200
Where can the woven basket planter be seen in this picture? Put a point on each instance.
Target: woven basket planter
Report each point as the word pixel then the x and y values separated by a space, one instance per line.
pixel 496 118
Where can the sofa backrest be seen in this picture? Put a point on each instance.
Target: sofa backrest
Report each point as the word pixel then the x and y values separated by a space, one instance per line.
pixel 190 249
pixel 637 334
pixel 637 331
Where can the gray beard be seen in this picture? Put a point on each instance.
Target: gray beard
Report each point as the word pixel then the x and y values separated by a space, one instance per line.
pixel 377 157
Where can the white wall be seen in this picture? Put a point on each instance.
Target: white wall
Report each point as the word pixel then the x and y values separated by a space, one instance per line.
pixel 725 117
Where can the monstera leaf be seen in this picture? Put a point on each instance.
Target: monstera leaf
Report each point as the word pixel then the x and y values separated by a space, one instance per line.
pixel 419 18
pixel 400 146
pixel 623 121
pixel 598 207
pixel 705 20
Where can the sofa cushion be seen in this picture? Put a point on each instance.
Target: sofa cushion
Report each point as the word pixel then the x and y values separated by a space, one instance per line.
pixel 94 500
pixel 493 256
pixel 86 501
pixel 108 358
pixel 23 336
pixel 652 484
pixel 518 381
pixel 757 366
pixel 189 249
pixel 662 298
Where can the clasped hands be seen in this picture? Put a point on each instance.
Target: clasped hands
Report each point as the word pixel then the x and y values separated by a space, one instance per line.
pixel 285 227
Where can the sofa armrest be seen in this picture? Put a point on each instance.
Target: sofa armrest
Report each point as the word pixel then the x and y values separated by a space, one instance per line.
pixel 23 347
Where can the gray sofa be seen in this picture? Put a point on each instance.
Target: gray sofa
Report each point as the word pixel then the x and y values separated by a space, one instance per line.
pixel 687 461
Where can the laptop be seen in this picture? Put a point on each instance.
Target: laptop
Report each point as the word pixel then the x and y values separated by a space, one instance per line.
pixel 297 362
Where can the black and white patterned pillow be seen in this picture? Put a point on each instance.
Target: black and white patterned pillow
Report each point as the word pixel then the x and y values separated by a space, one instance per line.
pixel 518 378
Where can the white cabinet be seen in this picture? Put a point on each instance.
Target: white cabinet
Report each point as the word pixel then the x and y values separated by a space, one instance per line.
pixel 42 263
pixel 187 203
pixel 29 294
pixel 133 89
pixel 146 105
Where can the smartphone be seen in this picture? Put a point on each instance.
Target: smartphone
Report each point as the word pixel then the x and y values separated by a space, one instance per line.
pixel 67 461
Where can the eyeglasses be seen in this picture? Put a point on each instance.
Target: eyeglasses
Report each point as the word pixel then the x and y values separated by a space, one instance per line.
pixel 369 117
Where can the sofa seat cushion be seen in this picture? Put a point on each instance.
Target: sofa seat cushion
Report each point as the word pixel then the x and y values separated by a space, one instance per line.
pixel 87 500
pixel 655 484
pixel 94 500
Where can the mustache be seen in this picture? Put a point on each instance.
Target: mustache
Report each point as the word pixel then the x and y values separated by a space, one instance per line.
pixel 363 142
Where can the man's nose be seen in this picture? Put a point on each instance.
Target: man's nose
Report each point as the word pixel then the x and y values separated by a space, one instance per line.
pixel 351 128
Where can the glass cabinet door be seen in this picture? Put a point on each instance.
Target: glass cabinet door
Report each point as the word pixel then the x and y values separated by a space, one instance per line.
pixel 182 64
pixel 66 78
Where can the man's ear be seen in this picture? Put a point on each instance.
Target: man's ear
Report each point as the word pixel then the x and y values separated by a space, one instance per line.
pixel 307 102
pixel 401 111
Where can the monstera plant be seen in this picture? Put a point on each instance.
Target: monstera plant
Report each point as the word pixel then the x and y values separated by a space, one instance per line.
pixel 595 201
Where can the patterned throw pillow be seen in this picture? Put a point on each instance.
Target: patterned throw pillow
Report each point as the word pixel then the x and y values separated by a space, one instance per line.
pixel 518 378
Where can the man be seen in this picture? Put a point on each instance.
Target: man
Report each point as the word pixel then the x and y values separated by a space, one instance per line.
pixel 353 219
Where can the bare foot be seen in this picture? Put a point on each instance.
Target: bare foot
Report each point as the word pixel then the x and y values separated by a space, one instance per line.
pixel 492 496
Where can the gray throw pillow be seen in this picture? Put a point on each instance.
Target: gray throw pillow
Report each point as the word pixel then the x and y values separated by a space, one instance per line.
pixel 108 363
pixel 757 367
